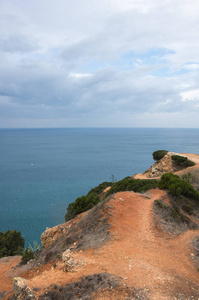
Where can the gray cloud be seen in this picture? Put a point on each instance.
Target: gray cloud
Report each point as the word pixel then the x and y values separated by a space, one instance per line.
pixel 87 63
pixel 17 44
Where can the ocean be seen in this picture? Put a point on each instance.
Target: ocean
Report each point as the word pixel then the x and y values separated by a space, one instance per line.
pixel 43 170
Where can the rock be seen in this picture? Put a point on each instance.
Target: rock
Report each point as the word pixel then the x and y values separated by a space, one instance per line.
pixel 22 291
pixel 51 234
pixel 66 255
pixel 160 167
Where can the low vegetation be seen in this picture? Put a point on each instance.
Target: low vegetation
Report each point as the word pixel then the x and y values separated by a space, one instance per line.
pixel 31 252
pixel 178 187
pixel 189 177
pixel 182 161
pixel 172 220
pixel 182 193
pixel 136 185
pixel 11 243
pixel 157 155
pixel 85 203
pixel 192 177
pixel 172 212
pixel 90 285
pixel 27 255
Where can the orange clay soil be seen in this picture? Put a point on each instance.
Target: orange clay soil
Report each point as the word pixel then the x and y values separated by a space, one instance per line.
pixel 145 257
pixel 7 264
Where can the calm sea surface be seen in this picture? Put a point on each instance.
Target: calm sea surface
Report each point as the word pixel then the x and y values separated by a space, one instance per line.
pixel 43 170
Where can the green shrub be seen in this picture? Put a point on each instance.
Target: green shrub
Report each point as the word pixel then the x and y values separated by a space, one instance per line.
pixel 157 155
pixel 136 185
pixel 189 163
pixel 100 188
pixel 11 243
pixel 27 255
pixel 85 203
pixel 160 203
pixel 177 186
pixel 181 160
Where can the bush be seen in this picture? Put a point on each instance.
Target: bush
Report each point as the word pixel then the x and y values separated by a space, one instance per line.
pixel 85 203
pixel 100 188
pixel 136 185
pixel 157 155
pixel 11 243
pixel 182 161
pixel 160 203
pixel 27 255
pixel 177 186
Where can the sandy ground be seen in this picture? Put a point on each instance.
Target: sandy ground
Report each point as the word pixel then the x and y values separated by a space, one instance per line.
pixel 148 259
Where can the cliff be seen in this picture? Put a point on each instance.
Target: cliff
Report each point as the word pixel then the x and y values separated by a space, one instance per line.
pixel 130 246
pixel 166 164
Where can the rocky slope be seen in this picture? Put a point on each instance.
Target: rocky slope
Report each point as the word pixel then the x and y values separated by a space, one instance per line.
pixel 166 164
pixel 120 249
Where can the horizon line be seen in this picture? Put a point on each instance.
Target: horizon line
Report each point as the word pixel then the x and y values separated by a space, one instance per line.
pixel 88 127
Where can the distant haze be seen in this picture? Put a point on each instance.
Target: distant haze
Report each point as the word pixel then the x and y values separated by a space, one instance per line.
pixel 108 63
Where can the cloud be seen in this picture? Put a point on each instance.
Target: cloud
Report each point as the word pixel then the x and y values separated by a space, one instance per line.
pixel 18 44
pixel 192 95
pixel 91 63
pixel 78 75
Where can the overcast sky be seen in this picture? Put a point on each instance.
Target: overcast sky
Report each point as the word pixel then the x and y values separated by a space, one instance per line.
pixel 91 63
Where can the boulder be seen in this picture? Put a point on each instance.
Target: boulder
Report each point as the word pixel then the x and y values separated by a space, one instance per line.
pixel 22 291
pixel 160 167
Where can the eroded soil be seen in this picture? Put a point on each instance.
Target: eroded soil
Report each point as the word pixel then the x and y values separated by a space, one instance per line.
pixel 150 263
pixel 147 259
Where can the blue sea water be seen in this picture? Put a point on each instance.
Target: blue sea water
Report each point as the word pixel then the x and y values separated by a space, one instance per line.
pixel 43 170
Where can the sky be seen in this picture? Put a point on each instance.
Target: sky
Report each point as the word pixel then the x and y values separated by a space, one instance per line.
pixel 91 63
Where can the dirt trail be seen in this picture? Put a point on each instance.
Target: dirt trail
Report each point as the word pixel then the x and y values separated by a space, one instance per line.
pixel 6 266
pixel 158 264
pixel 148 260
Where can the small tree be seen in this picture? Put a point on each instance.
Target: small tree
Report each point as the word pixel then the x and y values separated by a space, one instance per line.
pixel 113 179
pixel 11 243
pixel 157 155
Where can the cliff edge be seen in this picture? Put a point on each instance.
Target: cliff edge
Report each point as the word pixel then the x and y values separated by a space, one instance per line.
pixel 130 246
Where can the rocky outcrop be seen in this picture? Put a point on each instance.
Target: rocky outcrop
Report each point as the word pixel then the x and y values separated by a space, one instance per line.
pixel 22 291
pixel 50 235
pixel 160 167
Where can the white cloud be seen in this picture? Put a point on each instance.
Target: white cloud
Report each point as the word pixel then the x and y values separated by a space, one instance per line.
pixel 94 63
pixel 192 95
pixel 79 75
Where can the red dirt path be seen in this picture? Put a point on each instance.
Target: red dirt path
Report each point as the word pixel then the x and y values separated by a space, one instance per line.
pixel 148 260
